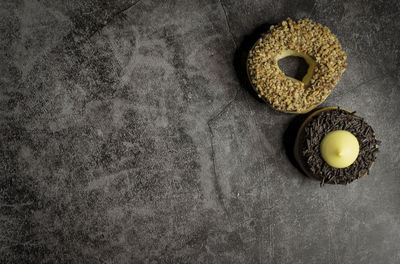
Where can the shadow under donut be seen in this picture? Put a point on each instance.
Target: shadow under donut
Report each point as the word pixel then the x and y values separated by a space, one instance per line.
pixel 240 57
pixel 289 139
pixel 292 66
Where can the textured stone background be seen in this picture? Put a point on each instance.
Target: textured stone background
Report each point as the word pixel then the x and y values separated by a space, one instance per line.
pixel 129 135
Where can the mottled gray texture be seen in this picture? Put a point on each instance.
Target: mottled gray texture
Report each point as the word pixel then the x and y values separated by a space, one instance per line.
pixel 129 135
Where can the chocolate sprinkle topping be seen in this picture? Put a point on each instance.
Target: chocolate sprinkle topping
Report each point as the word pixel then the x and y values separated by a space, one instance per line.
pixel 338 119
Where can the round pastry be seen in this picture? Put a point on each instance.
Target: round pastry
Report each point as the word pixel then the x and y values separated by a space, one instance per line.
pixel 316 128
pixel 306 39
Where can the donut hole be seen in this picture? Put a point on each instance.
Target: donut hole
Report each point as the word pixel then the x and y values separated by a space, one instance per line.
pixel 294 67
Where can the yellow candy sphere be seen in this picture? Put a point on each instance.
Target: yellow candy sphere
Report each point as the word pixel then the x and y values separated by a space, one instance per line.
pixel 339 148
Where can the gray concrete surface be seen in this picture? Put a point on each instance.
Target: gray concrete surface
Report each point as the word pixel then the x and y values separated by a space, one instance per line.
pixel 129 135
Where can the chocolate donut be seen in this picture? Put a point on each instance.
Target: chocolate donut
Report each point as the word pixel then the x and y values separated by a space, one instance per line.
pixel 313 130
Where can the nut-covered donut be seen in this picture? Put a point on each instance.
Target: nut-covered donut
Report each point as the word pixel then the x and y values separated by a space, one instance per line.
pixel 316 44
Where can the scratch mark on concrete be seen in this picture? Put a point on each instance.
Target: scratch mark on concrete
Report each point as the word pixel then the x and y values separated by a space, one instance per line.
pixel 100 27
pixel 215 117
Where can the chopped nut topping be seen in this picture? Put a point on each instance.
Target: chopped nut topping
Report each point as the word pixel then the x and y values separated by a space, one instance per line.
pixel 303 38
